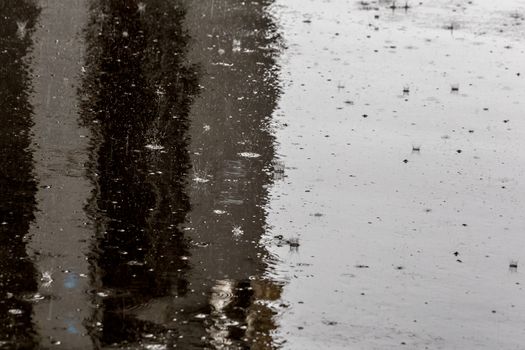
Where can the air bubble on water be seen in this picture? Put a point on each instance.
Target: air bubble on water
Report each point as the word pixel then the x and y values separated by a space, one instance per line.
pixel 46 279
pixel 200 179
pixel 154 147
pixel 236 45
pixel 37 297
pixel 156 347
pixel 249 155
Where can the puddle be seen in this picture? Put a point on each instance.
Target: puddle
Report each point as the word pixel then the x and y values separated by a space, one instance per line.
pixel 261 174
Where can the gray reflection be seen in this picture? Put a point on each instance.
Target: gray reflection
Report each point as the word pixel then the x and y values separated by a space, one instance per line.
pixel 232 152
pixel 59 238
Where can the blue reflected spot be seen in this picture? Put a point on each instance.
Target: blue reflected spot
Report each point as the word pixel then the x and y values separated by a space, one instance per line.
pixel 72 329
pixel 71 280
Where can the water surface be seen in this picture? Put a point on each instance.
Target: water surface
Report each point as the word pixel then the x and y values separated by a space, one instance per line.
pixel 220 174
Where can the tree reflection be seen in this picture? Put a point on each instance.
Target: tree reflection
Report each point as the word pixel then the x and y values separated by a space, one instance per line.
pixel 17 187
pixel 163 273
pixel 232 152
pixel 137 93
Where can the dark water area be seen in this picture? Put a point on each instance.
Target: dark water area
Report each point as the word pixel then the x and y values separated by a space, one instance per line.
pixel 136 97
pixel 17 185
pixel 136 155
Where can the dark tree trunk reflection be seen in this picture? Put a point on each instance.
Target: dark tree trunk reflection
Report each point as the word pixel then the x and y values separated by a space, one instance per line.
pixel 17 187
pixel 137 93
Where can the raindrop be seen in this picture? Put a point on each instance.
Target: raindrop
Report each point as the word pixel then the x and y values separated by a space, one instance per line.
pixel 15 311
pixel 236 45
pixel 249 155
pixel 237 231
pixel 156 347
pixel 21 30
pixel 46 279
pixel 200 180
pixel 293 242
pixel 154 147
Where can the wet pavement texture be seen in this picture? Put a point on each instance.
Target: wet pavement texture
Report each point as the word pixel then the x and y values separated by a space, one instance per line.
pixel 272 174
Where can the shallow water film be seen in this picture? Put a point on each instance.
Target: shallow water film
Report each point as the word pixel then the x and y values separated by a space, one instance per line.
pixel 271 174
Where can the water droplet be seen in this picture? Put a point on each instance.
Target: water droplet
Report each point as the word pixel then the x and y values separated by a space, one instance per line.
pixel 249 155
pixel 154 147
